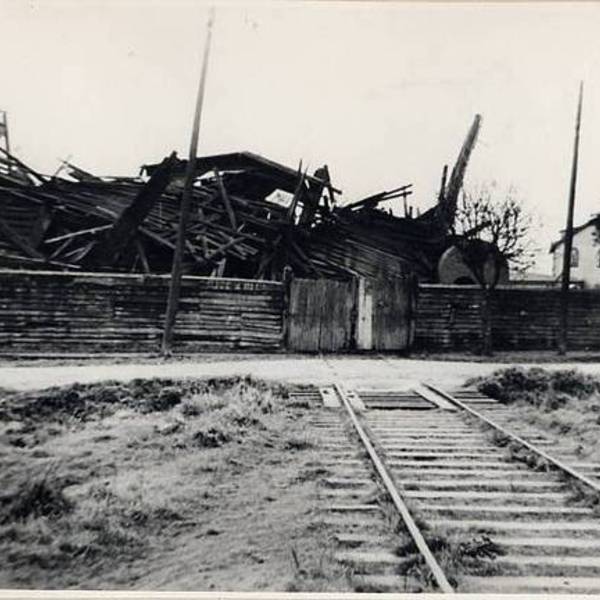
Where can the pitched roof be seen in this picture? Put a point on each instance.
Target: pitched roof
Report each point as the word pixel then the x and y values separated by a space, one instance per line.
pixel 595 220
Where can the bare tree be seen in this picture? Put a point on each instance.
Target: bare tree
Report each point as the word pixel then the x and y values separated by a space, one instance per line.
pixel 492 235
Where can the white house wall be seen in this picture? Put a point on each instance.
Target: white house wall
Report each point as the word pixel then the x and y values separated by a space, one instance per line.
pixel 587 269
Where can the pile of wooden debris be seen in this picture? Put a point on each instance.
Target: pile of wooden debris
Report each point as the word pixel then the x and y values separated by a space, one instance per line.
pixel 250 218
pixel 247 213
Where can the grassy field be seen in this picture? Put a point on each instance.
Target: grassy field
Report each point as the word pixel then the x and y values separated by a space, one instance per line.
pixel 565 403
pixel 159 484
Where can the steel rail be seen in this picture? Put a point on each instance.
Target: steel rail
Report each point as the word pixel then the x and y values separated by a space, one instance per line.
pixel 554 461
pixel 437 572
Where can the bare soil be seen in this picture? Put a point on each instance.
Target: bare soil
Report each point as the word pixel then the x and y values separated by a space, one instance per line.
pixel 531 357
pixel 498 357
pixel 161 485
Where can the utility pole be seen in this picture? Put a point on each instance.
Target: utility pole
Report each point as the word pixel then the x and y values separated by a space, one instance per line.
pixel 4 139
pixel 568 241
pixel 186 198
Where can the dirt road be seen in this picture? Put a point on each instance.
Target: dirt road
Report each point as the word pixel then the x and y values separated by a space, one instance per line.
pixel 356 372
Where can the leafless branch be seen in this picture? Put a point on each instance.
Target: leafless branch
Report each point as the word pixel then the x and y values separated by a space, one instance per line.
pixel 489 228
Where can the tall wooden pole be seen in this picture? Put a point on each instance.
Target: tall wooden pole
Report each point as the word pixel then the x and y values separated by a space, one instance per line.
pixel 4 124
pixel 190 172
pixel 568 242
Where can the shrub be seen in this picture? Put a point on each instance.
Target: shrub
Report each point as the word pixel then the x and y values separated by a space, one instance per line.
pixel 229 415
pixel 303 442
pixel 202 403
pixel 39 497
pixel 211 436
pixel 82 401
pixel 167 398
pixel 574 383
pixel 549 390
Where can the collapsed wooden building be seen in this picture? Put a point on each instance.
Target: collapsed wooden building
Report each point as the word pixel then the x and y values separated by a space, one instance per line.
pixel 251 217
pixel 85 261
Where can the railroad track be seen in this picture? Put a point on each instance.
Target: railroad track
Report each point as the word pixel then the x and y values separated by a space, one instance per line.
pixel 364 529
pixel 480 518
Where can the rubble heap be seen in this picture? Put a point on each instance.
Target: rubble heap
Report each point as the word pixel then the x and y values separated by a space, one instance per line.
pixel 250 218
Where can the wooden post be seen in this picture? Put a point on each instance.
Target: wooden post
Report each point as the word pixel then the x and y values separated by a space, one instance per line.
pixel 4 131
pixel 568 241
pixel 364 331
pixel 412 283
pixel 353 333
pixel 225 198
pixel 442 192
pixel 175 282
pixel 288 276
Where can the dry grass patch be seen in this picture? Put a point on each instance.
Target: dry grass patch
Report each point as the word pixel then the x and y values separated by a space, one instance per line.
pixel 562 403
pixel 159 484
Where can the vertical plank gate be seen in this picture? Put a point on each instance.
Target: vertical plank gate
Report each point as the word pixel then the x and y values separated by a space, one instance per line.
pixel 320 315
pixel 366 314
pixel 393 309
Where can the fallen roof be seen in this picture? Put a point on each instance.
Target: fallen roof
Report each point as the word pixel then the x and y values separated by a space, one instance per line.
pixel 286 178
pixel 236 228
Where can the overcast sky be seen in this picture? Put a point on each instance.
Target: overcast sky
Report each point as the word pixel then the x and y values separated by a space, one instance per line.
pixel 382 93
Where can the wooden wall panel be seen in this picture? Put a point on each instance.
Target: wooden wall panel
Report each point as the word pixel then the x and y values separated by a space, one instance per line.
pixel 115 313
pixel 448 318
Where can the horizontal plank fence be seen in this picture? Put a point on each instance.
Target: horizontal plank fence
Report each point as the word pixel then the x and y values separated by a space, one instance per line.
pixel 449 318
pixel 80 313
pixel 118 313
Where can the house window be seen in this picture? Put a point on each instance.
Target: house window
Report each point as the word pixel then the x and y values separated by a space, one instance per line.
pixel 574 258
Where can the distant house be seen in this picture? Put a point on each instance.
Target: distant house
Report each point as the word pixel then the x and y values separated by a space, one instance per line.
pixel 585 255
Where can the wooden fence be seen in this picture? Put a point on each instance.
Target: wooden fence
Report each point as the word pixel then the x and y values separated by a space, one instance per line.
pixel 113 313
pixel 448 318
pixel 68 313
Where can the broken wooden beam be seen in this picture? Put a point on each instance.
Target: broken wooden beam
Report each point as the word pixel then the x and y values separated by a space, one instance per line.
pixel 19 241
pixel 107 250
pixel 225 197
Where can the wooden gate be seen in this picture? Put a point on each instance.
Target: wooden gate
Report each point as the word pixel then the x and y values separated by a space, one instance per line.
pixel 320 315
pixel 385 314
pixel 327 316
